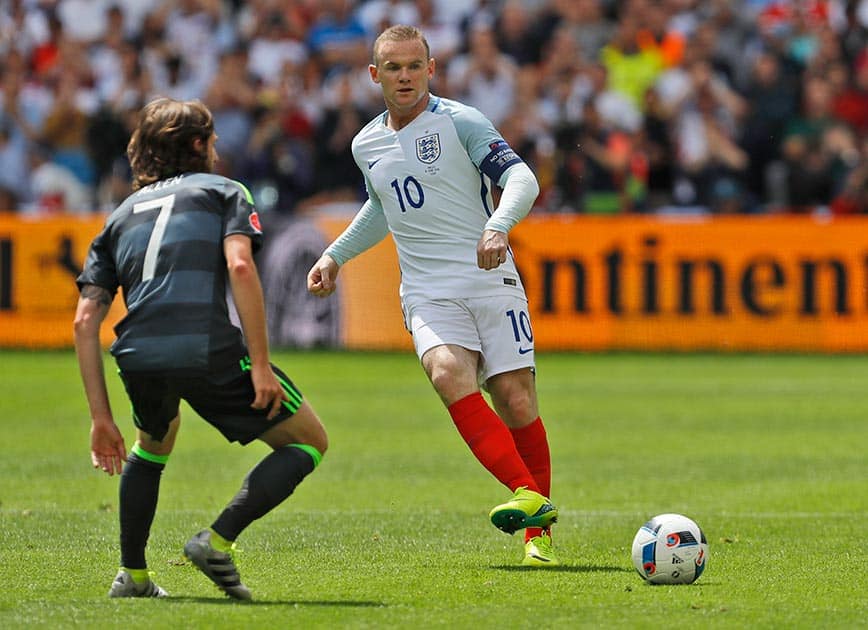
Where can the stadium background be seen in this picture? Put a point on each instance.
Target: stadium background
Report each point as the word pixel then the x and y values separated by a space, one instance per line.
pixel 703 164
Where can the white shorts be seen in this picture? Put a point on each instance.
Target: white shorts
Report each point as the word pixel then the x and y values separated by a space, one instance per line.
pixel 497 327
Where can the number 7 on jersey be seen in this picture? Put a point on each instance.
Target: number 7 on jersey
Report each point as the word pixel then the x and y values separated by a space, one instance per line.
pixel 165 205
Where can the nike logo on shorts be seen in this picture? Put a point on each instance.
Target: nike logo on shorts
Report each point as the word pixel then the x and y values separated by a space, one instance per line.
pixel 525 350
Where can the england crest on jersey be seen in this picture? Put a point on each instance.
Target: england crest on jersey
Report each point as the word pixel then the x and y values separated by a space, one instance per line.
pixel 428 148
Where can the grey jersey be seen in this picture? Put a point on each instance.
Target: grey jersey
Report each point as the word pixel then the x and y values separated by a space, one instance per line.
pixel 163 246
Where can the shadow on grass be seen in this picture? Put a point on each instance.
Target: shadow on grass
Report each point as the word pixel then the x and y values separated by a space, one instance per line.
pixel 564 568
pixel 273 602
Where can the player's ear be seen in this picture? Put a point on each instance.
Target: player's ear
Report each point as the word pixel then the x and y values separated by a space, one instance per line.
pixel 431 66
pixel 374 74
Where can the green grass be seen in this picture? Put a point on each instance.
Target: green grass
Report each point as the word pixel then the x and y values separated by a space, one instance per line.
pixel 767 453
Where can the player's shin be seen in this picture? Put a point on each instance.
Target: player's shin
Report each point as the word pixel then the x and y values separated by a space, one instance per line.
pixel 532 444
pixel 138 494
pixel 490 441
pixel 265 487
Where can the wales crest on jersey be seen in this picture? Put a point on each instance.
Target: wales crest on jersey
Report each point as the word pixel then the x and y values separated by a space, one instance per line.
pixel 428 148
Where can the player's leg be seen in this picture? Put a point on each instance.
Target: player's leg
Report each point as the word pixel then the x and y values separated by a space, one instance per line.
pixel 155 413
pixel 514 397
pixel 507 371
pixel 298 440
pixel 452 371
pixel 299 443
pixel 511 380
pixel 447 344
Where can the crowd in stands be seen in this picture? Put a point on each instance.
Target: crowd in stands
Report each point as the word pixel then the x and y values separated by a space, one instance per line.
pixel 619 106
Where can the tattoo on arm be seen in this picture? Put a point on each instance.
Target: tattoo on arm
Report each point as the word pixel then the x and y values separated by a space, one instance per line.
pixel 98 294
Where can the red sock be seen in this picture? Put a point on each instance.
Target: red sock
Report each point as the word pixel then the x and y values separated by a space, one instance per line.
pixel 533 446
pixel 491 441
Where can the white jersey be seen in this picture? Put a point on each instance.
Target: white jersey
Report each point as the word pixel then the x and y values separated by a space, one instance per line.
pixel 431 181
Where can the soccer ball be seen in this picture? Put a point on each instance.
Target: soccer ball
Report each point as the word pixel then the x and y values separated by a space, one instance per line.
pixel 670 549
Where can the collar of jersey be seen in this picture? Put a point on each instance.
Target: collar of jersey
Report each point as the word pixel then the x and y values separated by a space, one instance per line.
pixel 432 105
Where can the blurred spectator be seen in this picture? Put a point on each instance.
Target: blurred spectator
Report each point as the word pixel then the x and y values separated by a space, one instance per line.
pixel 232 97
pixel 711 166
pixel 853 196
pixel 279 158
pixel 336 36
pixel 376 15
pixel 54 188
pixel 273 45
pixel 771 96
pixel 22 27
pixel 632 69
pixel 851 104
pixel 336 173
pixel 659 150
pixel 84 21
pixel 812 164
pixel 513 32
pixel 14 173
pixel 197 33
pixel 483 77
pixel 443 35
pixel 582 20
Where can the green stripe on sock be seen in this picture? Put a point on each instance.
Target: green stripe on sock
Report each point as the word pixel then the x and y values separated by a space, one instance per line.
pixel 140 452
pixel 315 455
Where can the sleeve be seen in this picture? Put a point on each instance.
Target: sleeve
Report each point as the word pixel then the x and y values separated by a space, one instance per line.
pixel 99 267
pixel 484 144
pixel 240 216
pixel 368 228
pixel 496 159
pixel 520 189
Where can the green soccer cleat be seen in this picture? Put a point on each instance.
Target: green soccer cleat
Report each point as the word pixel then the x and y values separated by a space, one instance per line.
pixel 539 552
pixel 217 565
pixel 124 586
pixel 526 509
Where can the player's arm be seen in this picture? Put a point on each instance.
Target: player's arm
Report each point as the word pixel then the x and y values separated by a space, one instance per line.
pixel 520 189
pixel 107 449
pixel 496 159
pixel 250 304
pixel 368 228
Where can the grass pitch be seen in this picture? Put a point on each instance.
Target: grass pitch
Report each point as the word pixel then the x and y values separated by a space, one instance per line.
pixel 766 453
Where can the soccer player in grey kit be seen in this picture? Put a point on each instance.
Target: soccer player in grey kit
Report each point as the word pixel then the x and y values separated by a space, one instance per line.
pixel 171 247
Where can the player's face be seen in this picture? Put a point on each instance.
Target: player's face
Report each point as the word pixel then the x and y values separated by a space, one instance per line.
pixel 403 71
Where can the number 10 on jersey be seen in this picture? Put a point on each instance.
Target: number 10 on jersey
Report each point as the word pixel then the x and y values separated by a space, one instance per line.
pixel 412 192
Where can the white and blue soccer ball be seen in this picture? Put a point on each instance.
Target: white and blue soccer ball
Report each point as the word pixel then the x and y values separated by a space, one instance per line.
pixel 670 549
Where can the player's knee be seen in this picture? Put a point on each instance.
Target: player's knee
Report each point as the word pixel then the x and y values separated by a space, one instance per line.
pixel 516 406
pixel 520 408
pixel 319 440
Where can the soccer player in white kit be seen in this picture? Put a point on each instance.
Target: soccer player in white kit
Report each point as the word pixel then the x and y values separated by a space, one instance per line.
pixel 428 164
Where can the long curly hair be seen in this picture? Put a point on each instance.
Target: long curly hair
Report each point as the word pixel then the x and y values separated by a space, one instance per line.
pixel 163 143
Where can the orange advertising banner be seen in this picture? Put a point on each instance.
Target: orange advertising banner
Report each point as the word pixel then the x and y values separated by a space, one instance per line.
pixel 39 261
pixel 594 283
pixel 768 283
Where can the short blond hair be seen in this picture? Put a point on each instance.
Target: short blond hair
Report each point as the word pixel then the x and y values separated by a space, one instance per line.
pixel 400 33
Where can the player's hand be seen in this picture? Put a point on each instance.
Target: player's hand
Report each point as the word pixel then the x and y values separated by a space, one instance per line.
pixel 491 251
pixel 269 393
pixel 321 279
pixel 107 449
